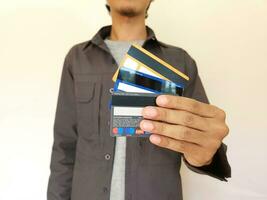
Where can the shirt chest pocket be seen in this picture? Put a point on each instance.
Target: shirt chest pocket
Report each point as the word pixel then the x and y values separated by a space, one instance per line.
pixel 87 96
pixel 152 155
pixel 161 156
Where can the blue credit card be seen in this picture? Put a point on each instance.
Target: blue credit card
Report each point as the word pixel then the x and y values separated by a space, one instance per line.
pixel 133 81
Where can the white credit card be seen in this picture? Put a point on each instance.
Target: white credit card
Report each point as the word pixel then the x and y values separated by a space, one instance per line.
pixel 132 64
pixel 121 86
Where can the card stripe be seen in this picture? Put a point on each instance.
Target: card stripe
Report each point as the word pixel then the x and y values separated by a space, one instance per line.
pixel 153 61
pixel 139 100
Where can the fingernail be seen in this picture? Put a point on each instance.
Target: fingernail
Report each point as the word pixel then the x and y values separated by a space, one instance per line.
pixel 149 112
pixel 147 126
pixel 162 100
pixel 155 139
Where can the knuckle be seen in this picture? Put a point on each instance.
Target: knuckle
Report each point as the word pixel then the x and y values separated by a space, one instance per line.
pixel 154 128
pixel 225 130
pixel 185 133
pixel 169 99
pixel 165 142
pixel 221 113
pixel 163 114
pixel 195 105
pixel 207 122
pixel 161 128
pixel 182 146
pixel 188 119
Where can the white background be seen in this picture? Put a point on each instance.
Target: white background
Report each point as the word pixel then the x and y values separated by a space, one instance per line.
pixel 227 38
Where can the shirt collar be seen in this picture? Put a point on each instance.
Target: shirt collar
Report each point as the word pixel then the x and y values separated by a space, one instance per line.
pixel 104 32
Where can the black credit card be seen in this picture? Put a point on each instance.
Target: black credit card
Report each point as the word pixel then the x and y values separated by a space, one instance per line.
pixel 126 113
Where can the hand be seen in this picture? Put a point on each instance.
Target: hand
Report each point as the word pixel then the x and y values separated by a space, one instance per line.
pixel 185 125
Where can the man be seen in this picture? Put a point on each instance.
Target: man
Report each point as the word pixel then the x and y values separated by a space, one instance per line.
pixel 89 164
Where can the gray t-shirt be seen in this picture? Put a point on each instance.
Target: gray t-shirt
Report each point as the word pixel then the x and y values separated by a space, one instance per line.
pixel 117 192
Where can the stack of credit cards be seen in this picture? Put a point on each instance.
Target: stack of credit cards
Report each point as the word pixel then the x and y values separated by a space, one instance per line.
pixel 140 78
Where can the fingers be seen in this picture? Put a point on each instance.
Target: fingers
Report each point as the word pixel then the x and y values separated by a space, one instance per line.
pixel 179 117
pixel 190 105
pixel 175 132
pixel 187 126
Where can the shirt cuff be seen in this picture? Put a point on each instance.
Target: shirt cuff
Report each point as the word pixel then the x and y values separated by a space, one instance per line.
pixel 219 167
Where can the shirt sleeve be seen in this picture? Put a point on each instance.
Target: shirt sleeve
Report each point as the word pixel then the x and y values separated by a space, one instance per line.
pixel 65 137
pixel 219 167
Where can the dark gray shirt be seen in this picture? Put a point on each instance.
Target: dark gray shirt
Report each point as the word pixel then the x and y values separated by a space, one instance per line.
pixel 83 151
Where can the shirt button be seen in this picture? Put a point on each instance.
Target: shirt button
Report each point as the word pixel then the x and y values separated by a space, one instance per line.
pixel 105 189
pixel 111 90
pixel 107 156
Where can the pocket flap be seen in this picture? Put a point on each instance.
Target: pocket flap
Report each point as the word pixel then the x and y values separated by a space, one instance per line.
pixel 84 90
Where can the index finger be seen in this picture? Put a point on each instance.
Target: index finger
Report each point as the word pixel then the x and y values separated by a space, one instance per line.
pixel 190 105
